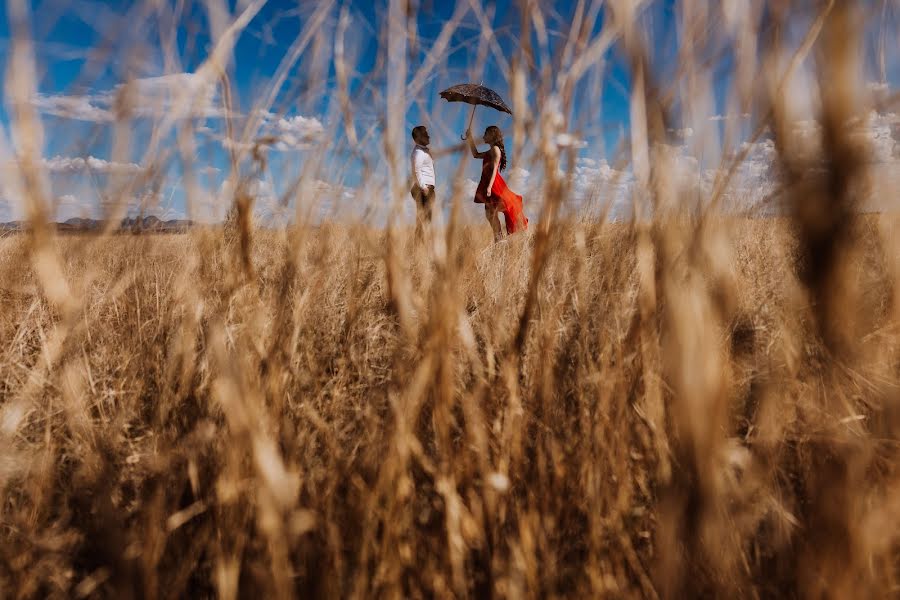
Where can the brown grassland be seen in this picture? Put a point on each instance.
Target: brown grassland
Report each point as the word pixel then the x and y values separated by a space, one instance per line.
pixel 684 404
pixel 325 429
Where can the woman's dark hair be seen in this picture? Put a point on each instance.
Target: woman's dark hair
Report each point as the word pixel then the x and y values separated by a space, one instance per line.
pixel 494 137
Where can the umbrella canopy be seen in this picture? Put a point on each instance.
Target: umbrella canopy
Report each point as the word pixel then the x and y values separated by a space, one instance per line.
pixel 475 94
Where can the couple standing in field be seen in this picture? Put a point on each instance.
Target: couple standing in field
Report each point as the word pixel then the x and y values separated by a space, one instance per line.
pixel 492 190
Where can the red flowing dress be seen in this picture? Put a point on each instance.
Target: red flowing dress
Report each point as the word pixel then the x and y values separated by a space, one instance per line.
pixel 506 201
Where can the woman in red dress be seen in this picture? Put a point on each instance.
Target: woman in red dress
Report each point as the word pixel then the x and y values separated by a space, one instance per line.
pixel 492 190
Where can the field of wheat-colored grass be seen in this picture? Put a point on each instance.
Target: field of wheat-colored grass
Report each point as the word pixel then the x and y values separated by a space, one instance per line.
pixel 356 418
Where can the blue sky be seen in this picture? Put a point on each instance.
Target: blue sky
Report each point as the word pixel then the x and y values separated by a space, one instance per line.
pixel 85 50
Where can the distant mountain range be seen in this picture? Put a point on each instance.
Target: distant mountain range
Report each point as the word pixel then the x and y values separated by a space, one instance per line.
pixel 129 224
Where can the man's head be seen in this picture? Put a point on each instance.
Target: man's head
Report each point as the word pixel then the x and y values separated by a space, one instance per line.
pixel 420 135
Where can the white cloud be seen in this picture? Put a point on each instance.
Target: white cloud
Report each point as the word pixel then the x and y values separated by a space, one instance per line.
pixel 184 94
pixel 70 164
pixel 325 189
pixel 291 133
pixel 753 181
pixel 877 136
pixel 208 170
pixel 595 185
pixel 729 117
pixel 80 108
pixel 517 178
pixel 179 95
pixel 68 206
pixel 237 145
pixel 567 140
pixel 469 187
pixel 280 133
pixel 318 199
pixel 757 178
pixel 878 89
pixel 300 130
pixel 267 209
pixel 883 134
pixel 687 167
pixel 6 211
pixel 591 175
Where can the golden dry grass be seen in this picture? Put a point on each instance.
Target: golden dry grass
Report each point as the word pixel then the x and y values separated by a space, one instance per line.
pixel 324 430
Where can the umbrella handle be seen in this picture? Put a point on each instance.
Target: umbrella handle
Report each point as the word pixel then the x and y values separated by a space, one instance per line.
pixel 472 116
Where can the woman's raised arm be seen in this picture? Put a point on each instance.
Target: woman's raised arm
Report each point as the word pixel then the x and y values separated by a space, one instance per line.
pixel 475 152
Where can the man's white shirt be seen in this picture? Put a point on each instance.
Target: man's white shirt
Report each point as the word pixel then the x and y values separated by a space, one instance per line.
pixel 422 166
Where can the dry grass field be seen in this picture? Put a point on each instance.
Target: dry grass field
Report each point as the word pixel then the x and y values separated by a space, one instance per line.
pixel 351 419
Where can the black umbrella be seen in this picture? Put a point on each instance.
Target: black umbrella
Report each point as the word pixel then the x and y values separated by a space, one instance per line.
pixel 475 95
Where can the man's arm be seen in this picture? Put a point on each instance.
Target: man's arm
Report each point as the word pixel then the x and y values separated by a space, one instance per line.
pixel 448 150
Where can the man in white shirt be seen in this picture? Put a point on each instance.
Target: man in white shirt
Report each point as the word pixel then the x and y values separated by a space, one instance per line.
pixel 423 179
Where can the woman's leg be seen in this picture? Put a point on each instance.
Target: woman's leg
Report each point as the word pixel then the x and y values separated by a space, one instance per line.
pixel 490 211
